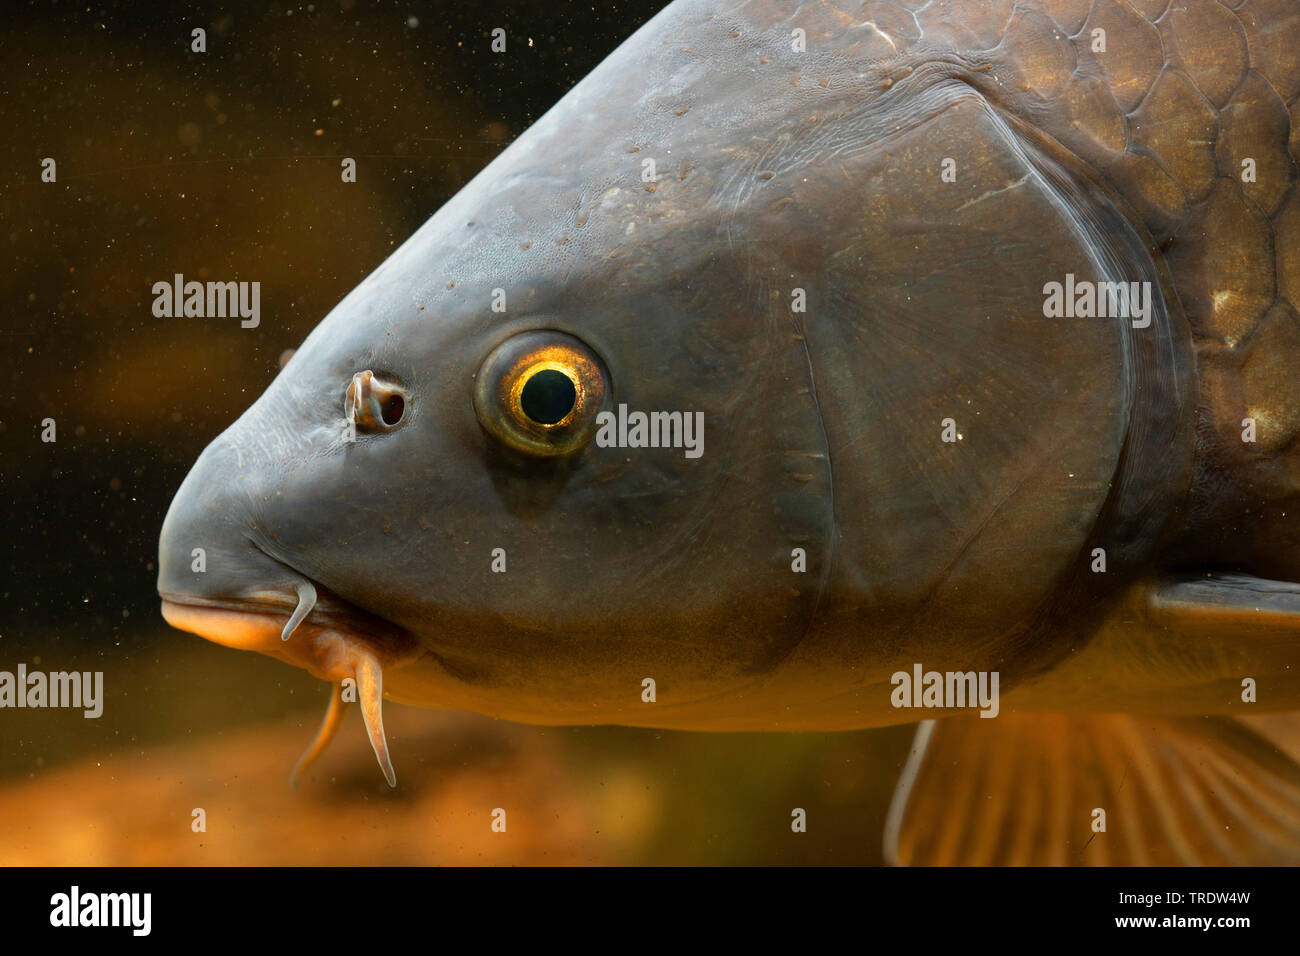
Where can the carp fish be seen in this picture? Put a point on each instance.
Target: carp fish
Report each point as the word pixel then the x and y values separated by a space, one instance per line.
pixel 805 357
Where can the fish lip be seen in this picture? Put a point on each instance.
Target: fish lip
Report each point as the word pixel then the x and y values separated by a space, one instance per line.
pixel 319 646
pixel 330 609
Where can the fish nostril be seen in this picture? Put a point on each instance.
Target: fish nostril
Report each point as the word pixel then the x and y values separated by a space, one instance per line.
pixel 374 403
pixel 392 409
pixel 548 396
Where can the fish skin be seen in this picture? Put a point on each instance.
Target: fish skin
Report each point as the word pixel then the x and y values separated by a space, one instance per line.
pixel 820 170
pixel 563 220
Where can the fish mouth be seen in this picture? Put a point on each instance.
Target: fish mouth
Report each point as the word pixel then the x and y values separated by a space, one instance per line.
pixel 270 621
pixel 317 630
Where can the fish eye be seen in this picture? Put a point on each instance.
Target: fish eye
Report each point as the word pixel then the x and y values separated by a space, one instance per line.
pixel 539 393
pixel 548 396
pixel 374 403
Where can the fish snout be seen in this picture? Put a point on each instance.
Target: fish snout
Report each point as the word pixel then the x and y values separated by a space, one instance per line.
pixel 206 551
pixel 218 579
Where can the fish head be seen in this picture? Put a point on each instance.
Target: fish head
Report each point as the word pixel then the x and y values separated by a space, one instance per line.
pixel 432 459
pixel 449 463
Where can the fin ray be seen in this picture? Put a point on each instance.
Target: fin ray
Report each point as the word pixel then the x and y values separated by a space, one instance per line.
pixel 1022 790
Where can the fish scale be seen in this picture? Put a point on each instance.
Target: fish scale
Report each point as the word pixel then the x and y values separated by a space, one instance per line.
pixel 1223 77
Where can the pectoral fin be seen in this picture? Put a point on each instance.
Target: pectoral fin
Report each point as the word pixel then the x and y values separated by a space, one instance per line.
pixel 1038 789
pixel 1191 645
pixel 1230 600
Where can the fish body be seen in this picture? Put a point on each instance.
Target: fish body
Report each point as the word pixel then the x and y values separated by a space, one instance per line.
pixel 993 347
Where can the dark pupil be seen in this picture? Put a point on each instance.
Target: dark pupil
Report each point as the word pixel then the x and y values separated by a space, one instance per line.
pixel 392 409
pixel 548 396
